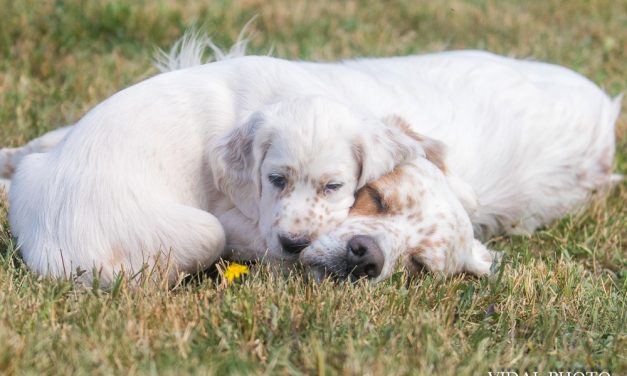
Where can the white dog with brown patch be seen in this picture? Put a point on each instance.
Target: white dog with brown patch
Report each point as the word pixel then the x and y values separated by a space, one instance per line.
pixel 422 217
pixel 253 157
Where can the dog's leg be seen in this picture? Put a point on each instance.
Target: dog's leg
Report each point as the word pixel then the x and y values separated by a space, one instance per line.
pixel 123 226
pixel 243 240
pixel 191 239
pixel 163 245
pixel 10 157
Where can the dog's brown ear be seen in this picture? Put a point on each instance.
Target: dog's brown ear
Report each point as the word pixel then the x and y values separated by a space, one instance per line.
pixel 434 150
pixel 236 164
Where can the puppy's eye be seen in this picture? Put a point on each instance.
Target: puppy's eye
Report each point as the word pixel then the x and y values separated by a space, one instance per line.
pixel 278 180
pixel 332 187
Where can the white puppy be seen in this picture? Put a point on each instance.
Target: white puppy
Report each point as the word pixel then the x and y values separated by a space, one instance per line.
pixel 153 173
pixel 275 150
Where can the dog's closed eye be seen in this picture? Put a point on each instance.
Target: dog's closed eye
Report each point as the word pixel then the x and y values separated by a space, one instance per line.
pixel 369 201
pixel 332 187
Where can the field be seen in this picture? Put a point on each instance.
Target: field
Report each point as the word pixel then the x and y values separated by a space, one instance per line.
pixel 558 301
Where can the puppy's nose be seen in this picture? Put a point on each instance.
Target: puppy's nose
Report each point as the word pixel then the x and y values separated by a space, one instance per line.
pixel 365 258
pixel 294 244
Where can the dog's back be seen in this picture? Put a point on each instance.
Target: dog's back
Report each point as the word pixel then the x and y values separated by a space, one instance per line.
pixel 534 140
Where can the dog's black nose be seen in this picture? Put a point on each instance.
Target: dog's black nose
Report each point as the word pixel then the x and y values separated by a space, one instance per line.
pixel 294 244
pixel 365 258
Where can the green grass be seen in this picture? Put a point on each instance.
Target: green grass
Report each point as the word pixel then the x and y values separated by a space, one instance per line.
pixel 559 300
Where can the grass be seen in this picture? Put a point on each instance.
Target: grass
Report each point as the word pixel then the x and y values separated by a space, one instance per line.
pixel 558 302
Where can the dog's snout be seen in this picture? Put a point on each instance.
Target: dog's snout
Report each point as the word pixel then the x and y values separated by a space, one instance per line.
pixel 294 244
pixel 364 256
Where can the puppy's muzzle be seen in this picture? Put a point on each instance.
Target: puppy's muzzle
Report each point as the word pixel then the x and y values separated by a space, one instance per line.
pixel 364 257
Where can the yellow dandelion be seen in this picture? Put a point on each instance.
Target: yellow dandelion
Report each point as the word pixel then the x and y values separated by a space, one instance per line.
pixel 235 271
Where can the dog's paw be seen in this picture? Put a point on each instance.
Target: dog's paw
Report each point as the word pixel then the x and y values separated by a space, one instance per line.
pixel 480 260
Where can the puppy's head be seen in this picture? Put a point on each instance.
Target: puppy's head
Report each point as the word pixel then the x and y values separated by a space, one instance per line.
pixel 294 166
pixel 412 215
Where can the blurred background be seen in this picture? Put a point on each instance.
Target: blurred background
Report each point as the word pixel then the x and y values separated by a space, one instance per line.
pixel 59 58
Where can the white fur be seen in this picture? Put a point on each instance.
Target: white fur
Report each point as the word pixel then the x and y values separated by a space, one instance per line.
pixel 519 156
pixel 168 166
pixel 146 175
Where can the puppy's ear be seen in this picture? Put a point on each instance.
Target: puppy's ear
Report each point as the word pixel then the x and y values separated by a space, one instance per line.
pixel 392 143
pixel 237 161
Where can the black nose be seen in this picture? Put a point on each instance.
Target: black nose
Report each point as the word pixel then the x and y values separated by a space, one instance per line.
pixel 365 258
pixel 294 244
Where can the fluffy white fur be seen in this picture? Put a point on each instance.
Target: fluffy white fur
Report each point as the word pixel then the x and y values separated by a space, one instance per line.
pixel 158 171
pixel 527 143
pixel 169 166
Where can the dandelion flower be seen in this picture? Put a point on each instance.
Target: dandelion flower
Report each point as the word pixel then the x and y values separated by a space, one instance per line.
pixel 235 271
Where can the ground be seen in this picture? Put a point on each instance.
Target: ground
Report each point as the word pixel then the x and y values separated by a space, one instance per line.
pixel 558 301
